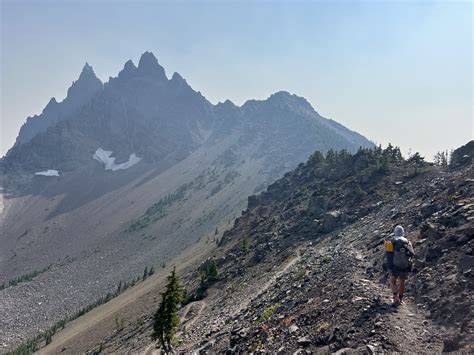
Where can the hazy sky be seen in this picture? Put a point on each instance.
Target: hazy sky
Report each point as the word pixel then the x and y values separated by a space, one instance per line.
pixel 397 72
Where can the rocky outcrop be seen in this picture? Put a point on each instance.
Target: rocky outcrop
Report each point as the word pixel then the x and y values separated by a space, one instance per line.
pixel 463 156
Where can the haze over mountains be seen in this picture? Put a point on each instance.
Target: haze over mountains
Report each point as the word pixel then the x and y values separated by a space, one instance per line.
pixel 127 174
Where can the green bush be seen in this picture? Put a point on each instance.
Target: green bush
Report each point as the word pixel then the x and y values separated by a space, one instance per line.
pixel 268 312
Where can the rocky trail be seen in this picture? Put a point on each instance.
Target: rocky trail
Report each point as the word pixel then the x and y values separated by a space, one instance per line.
pixel 373 317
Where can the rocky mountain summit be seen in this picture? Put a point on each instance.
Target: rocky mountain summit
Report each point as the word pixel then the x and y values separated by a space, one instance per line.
pixel 162 121
pixel 300 270
pixel 79 94
pixel 127 174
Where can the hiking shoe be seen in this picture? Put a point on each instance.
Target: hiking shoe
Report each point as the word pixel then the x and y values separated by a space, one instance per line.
pixel 396 299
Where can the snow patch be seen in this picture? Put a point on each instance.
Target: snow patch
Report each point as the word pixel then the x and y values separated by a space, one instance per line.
pixel 49 172
pixel 104 157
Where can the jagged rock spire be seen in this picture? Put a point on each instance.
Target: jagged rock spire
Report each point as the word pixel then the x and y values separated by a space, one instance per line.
pixel 149 66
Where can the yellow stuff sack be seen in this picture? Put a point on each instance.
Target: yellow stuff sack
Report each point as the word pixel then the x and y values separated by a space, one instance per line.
pixel 388 246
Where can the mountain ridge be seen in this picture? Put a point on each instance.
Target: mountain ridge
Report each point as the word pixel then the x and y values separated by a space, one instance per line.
pixel 145 169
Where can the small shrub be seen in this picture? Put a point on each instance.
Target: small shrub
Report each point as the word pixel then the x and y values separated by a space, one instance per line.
pixel 301 274
pixel 326 259
pixel 119 323
pixel 268 312
pixel 323 327
pixel 340 302
pixel 245 246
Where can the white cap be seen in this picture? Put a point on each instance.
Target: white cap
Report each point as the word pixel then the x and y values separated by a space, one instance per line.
pixel 399 231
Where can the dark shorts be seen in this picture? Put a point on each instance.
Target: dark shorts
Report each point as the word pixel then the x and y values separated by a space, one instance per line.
pixel 399 273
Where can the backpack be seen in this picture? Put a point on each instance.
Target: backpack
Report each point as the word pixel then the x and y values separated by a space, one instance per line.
pixel 402 253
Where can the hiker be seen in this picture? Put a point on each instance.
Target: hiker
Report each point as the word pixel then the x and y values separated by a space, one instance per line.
pixel 398 252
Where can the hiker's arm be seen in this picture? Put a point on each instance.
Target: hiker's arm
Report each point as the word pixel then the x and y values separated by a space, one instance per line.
pixel 410 248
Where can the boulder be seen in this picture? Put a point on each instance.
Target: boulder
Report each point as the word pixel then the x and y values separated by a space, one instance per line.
pixel 331 220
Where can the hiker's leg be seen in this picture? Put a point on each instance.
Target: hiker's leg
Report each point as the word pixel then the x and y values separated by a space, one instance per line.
pixel 402 288
pixel 394 287
pixel 393 284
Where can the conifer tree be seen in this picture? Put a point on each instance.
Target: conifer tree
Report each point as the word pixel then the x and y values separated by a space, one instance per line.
pixel 213 273
pixel 416 159
pixel 166 319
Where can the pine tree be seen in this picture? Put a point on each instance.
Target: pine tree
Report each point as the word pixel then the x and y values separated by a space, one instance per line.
pixel 437 159
pixel 213 274
pixel 397 155
pixel 245 246
pixel 416 159
pixel 145 273
pixel 166 319
pixel 317 157
pixel 331 157
pixel 151 272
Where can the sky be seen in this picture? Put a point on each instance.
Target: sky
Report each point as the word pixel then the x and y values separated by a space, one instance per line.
pixel 395 71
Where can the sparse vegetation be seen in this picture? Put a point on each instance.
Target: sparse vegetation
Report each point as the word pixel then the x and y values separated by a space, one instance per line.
pixel 321 328
pixel 208 275
pixel 340 302
pixel 24 278
pixel 326 259
pixel 159 209
pixel 119 323
pixel 442 158
pixel 245 245
pixel 32 345
pixel 301 274
pixel 268 312
pixel 25 349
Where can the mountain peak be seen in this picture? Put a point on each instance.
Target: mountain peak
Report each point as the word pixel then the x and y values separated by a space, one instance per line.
pixel 128 68
pixel 178 81
pixel 86 83
pixel 87 72
pixel 51 104
pixel 149 66
pixel 87 67
pixel 147 57
pixel 129 65
pixel 177 77
pixel 226 104
pixel 285 98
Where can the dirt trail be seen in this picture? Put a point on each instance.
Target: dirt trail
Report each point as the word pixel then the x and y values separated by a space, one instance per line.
pixel 242 304
pixel 267 284
pixel 405 325
pixel 188 322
